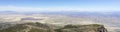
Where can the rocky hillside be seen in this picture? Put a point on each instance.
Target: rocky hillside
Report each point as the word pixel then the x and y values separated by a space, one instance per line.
pixel 82 28
pixel 38 27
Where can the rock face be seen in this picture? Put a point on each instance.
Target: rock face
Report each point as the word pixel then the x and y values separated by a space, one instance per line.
pixel 83 28
pixel 38 27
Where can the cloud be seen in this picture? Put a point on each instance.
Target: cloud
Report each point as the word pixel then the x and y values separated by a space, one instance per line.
pixel 16 8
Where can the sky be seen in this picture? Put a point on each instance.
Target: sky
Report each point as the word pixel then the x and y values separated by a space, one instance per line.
pixel 59 5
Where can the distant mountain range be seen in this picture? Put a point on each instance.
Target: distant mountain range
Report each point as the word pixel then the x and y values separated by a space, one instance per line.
pixel 69 13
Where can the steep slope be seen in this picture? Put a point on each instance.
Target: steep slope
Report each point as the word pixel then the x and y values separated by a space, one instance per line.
pixel 82 28
pixel 38 27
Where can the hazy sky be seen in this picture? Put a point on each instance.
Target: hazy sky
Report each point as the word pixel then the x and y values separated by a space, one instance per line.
pixel 58 5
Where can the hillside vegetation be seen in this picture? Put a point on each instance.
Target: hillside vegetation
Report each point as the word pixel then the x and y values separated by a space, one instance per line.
pixel 39 27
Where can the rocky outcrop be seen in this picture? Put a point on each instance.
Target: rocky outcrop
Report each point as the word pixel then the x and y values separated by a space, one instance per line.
pixel 83 28
pixel 38 27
